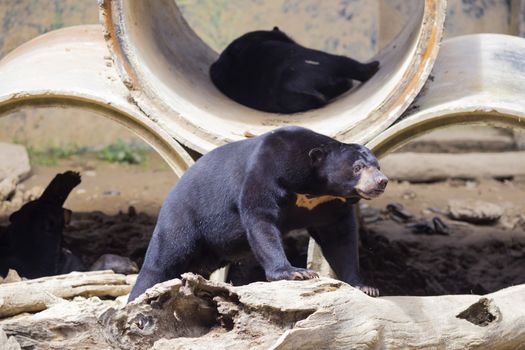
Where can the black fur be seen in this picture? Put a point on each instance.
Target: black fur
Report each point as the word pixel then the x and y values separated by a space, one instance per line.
pixel 34 236
pixel 268 71
pixel 239 198
pixel 33 243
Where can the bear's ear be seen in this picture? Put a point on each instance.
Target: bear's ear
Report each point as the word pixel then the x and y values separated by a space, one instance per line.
pixel 316 155
pixel 276 28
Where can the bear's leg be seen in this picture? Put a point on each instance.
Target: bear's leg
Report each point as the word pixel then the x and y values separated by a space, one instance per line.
pixel 265 241
pixel 353 69
pixel 335 87
pixel 300 101
pixel 340 245
pixel 167 257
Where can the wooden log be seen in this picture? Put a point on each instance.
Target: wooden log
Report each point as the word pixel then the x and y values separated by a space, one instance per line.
pixel 8 343
pixel 194 313
pixel 38 294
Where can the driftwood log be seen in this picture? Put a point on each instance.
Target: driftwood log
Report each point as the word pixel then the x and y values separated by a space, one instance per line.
pixel 194 313
pixel 38 294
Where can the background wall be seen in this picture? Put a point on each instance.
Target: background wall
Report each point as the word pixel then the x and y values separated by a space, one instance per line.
pixel 358 28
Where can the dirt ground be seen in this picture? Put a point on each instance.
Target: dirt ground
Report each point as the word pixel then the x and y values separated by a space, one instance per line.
pixel 471 259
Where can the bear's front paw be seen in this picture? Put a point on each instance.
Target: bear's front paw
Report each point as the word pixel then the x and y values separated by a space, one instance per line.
pixel 370 291
pixel 293 273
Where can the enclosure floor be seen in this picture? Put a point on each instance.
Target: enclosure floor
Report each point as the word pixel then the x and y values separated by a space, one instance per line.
pixel 473 259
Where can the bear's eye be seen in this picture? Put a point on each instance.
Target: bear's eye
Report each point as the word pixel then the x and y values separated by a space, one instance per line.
pixel 358 167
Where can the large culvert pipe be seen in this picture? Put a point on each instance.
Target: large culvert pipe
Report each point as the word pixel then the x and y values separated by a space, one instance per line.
pixel 165 66
pixel 72 67
pixel 477 79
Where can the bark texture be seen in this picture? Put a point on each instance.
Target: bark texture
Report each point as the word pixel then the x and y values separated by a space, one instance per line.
pixel 194 313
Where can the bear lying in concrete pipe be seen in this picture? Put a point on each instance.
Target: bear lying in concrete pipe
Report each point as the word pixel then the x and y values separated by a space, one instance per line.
pixel 268 71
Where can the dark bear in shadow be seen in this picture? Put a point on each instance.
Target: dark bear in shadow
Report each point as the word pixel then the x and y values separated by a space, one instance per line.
pixel 241 197
pixel 34 236
pixel 33 243
pixel 268 71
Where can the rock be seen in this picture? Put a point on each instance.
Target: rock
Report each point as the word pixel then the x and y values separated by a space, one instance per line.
pixel 17 200
pixel 430 167
pixel 7 187
pixel 12 276
pixel 116 263
pixel 511 222
pixel 8 343
pixel 194 313
pixel 477 212
pixel 33 193
pixel 409 194
pixel 14 162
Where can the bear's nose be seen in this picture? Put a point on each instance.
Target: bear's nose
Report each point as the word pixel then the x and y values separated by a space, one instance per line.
pixel 382 182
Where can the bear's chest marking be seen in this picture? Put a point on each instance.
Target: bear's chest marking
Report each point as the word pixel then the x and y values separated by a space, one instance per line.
pixel 310 202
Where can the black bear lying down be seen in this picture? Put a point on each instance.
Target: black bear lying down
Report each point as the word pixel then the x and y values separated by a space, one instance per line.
pixel 268 71
pixel 239 198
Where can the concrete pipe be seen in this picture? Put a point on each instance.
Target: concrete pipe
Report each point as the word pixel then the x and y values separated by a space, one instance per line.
pixel 477 79
pixel 165 66
pixel 72 67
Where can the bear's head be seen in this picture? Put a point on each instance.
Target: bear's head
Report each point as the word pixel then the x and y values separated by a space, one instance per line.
pixel 348 170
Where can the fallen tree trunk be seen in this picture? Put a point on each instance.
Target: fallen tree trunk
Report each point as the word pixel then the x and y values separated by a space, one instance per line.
pixel 194 313
pixel 38 294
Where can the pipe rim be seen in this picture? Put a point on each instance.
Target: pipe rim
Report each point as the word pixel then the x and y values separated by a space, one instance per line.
pixel 192 123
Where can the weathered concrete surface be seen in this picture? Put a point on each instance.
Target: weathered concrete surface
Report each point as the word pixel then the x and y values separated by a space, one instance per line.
pixel 315 314
pixel 74 68
pixel 428 167
pixel 459 94
pixel 40 128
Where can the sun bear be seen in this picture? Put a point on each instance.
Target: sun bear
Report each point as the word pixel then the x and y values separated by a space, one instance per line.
pixel 241 197
pixel 268 71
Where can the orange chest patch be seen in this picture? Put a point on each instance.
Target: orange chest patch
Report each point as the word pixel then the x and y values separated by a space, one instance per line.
pixel 310 202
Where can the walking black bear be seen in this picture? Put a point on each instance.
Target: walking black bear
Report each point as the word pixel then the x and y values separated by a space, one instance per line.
pixel 239 198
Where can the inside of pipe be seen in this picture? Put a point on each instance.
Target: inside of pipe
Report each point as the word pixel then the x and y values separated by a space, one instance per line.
pixel 175 61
